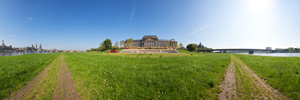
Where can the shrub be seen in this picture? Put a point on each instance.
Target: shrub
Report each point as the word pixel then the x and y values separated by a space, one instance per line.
pixel 192 47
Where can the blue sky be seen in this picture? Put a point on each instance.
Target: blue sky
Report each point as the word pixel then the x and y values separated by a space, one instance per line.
pixel 84 24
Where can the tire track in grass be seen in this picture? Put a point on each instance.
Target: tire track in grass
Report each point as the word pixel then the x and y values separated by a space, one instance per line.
pixel 54 82
pixel 250 86
pixel 65 87
pixel 228 86
pixel 33 85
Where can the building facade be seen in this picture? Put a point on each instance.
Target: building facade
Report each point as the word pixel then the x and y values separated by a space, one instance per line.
pixel 151 41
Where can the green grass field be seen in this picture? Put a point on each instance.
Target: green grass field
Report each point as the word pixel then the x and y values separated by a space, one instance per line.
pixel 183 51
pixel 16 71
pixel 188 75
pixel 282 73
pixel 147 76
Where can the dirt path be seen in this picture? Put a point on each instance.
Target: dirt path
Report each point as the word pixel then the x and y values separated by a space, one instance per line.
pixel 31 85
pixel 228 86
pixel 241 83
pixel 54 82
pixel 65 87
pixel 267 92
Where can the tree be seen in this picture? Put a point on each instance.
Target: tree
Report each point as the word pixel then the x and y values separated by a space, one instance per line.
pixel 175 44
pixel 285 50
pixel 168 43
pixel 122 43
pixel 291 50
pixel 107 44
pixel 93 49
pixel 192 47
pixel 101 47
pixel 101 44
pixel 181 46
pixel 297 49
pixel 125 44
pixel 130 42
pixel 117 45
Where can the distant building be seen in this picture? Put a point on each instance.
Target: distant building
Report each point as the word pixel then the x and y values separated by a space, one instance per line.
pixel 5 48
pixel 268 48
pixel 28 49
pixel 31 48
pixel 2 44
pixel 200 46
pixel 151 41
pixel 40 48
pixel 279 49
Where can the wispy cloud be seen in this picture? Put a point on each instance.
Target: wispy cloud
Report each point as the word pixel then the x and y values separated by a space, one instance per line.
pixel 30 18
pixel 133 10
pixel 12 35
pixel 199 30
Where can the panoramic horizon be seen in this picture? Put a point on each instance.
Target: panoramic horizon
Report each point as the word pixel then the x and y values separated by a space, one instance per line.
pixel 149 50
pixel 82 25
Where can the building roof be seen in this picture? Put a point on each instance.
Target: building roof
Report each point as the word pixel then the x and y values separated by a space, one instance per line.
pixel 154 37
pixel 150 36
pixel 162 40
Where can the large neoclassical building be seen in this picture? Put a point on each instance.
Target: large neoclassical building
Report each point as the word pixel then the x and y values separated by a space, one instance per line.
pixel 151 41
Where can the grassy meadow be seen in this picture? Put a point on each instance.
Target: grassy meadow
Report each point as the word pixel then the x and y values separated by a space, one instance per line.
pixel 282 73
pixel 187 75
pixel 16 71
pixel 147 76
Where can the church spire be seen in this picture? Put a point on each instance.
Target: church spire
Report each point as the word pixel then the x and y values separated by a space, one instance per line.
pixel 40 46
pixel 3 45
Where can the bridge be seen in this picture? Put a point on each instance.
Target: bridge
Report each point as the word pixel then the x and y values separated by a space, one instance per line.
pixel 250 51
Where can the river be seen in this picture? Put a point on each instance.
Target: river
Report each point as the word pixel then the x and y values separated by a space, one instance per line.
pixel 277 54
pixel 18 53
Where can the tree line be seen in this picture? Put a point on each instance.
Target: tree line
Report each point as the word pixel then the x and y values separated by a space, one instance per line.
pixel 194 48
pixel 292 50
